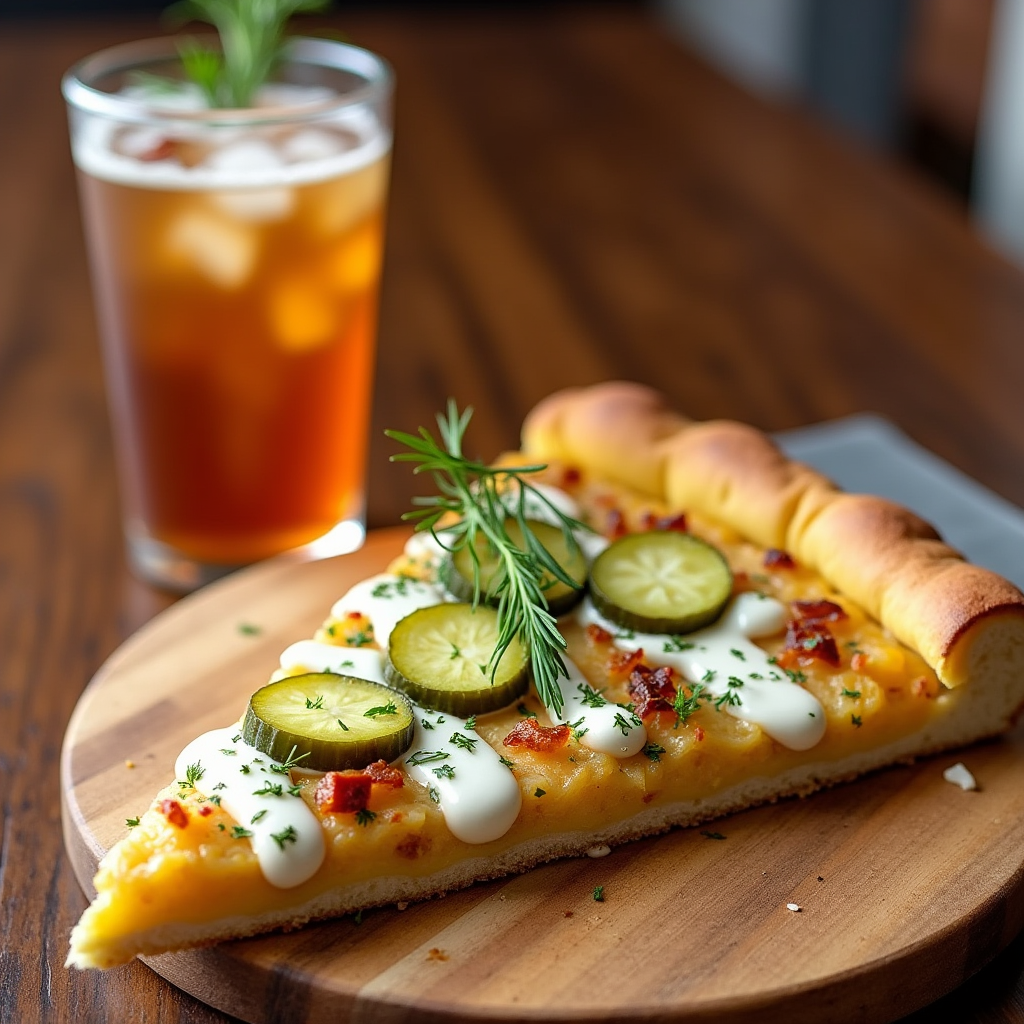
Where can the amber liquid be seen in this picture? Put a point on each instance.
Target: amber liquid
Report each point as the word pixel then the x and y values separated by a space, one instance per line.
pixel 239 330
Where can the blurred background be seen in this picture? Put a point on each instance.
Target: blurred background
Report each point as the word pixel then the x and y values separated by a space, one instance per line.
pixel 933 83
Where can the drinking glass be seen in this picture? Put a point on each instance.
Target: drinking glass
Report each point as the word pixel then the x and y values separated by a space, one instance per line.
pixel 235 258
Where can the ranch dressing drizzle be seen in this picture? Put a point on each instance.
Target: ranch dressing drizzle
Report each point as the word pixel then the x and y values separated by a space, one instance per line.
pixel 298 849
pixel 385 599
pixel 722 654
pixel 608 728
pixel 478 795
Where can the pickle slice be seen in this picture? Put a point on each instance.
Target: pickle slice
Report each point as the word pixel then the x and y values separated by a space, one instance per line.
pixel 457 572
pixel 337 721
pixel 439 656
pixel 660 582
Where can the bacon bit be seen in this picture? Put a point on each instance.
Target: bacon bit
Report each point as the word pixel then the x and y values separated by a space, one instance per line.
pixel 922 687
pixel 597 635
pixel 566 913
pixel 344 792
pixel 206 810
pixel 621 663
pixel 571 476
pixel 529 733
pixel 859 662
pixel 651 521
pixel 818 611
pixel 384 775
pixel 163 150
pixel 741 582
pixel 652 690
pixel 775 558
pixel 355 615
pixel 615 526
pixel 174 813
pixel 698 733
pixel 807 641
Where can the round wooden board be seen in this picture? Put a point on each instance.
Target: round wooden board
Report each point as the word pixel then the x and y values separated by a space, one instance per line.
pixel 906 885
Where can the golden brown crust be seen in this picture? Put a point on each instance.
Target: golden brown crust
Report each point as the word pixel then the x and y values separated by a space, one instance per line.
pixel 883 556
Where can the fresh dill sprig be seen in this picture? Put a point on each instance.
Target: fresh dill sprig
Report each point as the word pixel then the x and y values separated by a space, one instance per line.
pixel 481 498
pixel 250 32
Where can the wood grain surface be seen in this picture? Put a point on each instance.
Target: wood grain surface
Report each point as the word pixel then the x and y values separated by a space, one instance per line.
pixel 574 197
pixel 694 925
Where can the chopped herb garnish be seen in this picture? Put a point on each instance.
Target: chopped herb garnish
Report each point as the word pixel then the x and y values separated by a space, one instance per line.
pixel 622 724
pixel 295 790
pixel 245 769
pixel 425 722
pixel 248 629
pixel 289 835
pixel 654 751
pixel 590 696
pixel 444 771
pixel 229 751
pixel 343 725
pixel 289 762
pixel 317 704
pixel 391 708
pixel 737 654
pixel 734 681
pixel 730 697
pixel 426 756
pixel 357 918
pixel 708 676
pixel 686 704
pixel 215 800
pixel 470 722
pixel 459 739
pixel 540 792
pixel 388 589
pixel 360 639
pixel 506 762
pixel 236 737
pixel 712 835
pixel 238 832
pixel 256 817
pixel 269 789
pixel 598 894
pixel 856 720
pixel 131 822
pixel 852 694
pixel 193 773
pixel 795 676
pixel 434 795
pixel 365 816
pixel 455 652
pixel 677 643
pixel 525 711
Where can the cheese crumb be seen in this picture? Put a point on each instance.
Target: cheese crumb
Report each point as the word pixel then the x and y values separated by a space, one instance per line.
pixel 129 764
pixel 795 907
pixel 599 851
pixel 960 776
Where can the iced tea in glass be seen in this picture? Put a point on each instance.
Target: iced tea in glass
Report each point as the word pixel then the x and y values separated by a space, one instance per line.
pixel 235 257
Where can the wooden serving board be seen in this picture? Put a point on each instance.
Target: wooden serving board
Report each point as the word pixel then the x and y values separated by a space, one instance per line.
pixel 906 884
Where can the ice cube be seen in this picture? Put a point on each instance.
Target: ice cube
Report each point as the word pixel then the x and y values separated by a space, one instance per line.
pixel 312 144
pixel 356 264
pixel 222 250
pixel 339 205
pixel 302 315
pixel 242 165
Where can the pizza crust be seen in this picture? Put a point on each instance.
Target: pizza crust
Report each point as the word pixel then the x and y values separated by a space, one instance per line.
pixel 884 557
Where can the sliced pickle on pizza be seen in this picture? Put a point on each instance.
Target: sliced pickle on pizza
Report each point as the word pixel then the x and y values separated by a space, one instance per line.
pixel 329 722
pixel 460 568
pixel 660 582
pixel 440 656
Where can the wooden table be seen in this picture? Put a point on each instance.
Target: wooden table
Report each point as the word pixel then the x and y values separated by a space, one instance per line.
pixel 574 199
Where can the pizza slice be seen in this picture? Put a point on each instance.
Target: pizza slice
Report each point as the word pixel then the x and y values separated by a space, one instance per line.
pixel 735 630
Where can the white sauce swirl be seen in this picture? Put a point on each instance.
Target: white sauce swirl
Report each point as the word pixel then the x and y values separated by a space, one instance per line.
pixel 605 727
pixel 386 599
pixel 722 657
pixel 285 834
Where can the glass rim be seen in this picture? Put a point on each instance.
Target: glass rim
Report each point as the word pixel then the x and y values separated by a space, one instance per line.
pixel 326 53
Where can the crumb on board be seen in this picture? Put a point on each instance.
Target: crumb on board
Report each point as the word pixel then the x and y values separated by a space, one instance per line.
pixel 401 906
pixel 437 954
pixel 567 913
pixel 795 907
pixel 599 851
pixel 959 774
pixel 129 764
